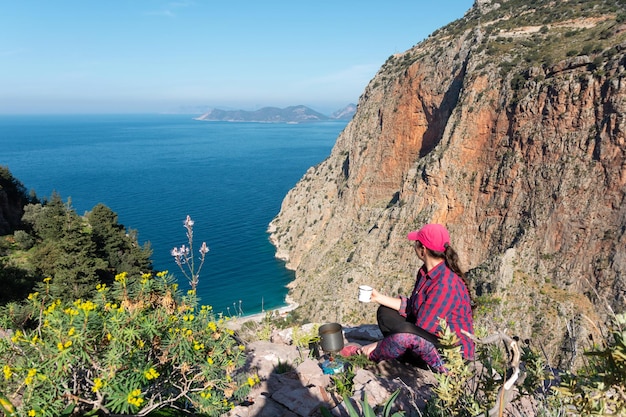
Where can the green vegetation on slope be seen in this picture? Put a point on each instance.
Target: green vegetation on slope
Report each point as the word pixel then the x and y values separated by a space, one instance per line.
pixel 51 240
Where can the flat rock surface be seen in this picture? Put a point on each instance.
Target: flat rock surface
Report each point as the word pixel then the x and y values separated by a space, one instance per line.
pixel 293 382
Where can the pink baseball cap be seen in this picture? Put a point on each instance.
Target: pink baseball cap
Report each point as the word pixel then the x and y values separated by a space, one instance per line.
pixel 433 236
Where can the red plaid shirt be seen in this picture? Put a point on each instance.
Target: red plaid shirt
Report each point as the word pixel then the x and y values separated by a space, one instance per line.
pixel 441 293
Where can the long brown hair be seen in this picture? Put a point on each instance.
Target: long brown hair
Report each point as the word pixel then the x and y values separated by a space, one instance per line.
pixel 452 261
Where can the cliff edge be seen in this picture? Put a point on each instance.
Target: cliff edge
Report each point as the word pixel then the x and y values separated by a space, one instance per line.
pixel 508 127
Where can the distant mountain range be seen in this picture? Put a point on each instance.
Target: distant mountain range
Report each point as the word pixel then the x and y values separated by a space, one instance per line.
pixel 292 114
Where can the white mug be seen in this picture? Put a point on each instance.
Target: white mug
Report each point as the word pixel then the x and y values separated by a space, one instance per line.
pixel 365 293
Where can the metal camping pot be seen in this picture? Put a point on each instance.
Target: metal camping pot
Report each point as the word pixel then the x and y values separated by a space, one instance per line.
pixel 331 337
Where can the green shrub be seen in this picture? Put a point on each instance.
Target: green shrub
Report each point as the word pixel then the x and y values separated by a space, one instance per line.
pixel 136 347
pixel 452 395
pixel 600 388
pixel 23 239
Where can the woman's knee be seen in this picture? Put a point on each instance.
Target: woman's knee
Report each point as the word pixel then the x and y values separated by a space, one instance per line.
pixel 388 320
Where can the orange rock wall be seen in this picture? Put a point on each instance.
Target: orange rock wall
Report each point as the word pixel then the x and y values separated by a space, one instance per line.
pixel 529 177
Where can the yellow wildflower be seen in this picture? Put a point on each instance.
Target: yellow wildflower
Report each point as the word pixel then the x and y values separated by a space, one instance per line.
pixel 209 360
pixel 188 317
pixel 32 413
pixel 33 295
pixel 98 383
pixel 47 280
pixel 7 372
pixel 87 306
pixel 212 326
pixel 101 287
pixel 63 346
pixel 71 331
pixel 151 374
pixel 134 398
pixel 29 376
pixel 16 336
pixel 52 306
pixel 253 380
pixel 162 274
pixel 121 278
pixel 71 311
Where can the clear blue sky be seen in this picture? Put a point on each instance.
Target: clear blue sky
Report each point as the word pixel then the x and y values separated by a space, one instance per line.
pixel 143 56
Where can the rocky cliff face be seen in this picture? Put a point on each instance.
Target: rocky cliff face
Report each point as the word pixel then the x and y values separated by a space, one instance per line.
pixel 508 127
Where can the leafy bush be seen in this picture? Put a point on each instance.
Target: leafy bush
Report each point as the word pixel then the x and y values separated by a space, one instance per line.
pixel 137 346
pixel 600 388
pixel 452 395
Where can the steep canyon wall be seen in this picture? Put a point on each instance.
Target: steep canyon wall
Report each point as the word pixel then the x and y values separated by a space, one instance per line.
pixel 509 132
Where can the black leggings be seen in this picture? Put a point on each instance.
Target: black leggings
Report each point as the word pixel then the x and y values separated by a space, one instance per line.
pixel 391 322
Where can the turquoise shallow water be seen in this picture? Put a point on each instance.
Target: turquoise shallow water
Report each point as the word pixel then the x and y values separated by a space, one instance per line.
pixel 154 170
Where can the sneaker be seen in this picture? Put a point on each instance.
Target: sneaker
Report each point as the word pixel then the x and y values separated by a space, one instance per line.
pixel 350 350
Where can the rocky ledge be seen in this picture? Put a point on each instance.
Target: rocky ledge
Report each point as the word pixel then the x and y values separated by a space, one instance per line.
pixel 293 382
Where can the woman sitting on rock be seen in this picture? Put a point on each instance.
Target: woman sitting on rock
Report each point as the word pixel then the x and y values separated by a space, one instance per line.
pixel 409 325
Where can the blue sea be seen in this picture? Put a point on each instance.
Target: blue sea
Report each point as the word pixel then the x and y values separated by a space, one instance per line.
pixel 154 170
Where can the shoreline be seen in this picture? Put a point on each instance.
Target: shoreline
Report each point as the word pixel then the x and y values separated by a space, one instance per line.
pixel 236 321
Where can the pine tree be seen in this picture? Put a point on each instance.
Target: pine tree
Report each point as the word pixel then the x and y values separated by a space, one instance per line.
pixel 119 248
pixel 48 221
